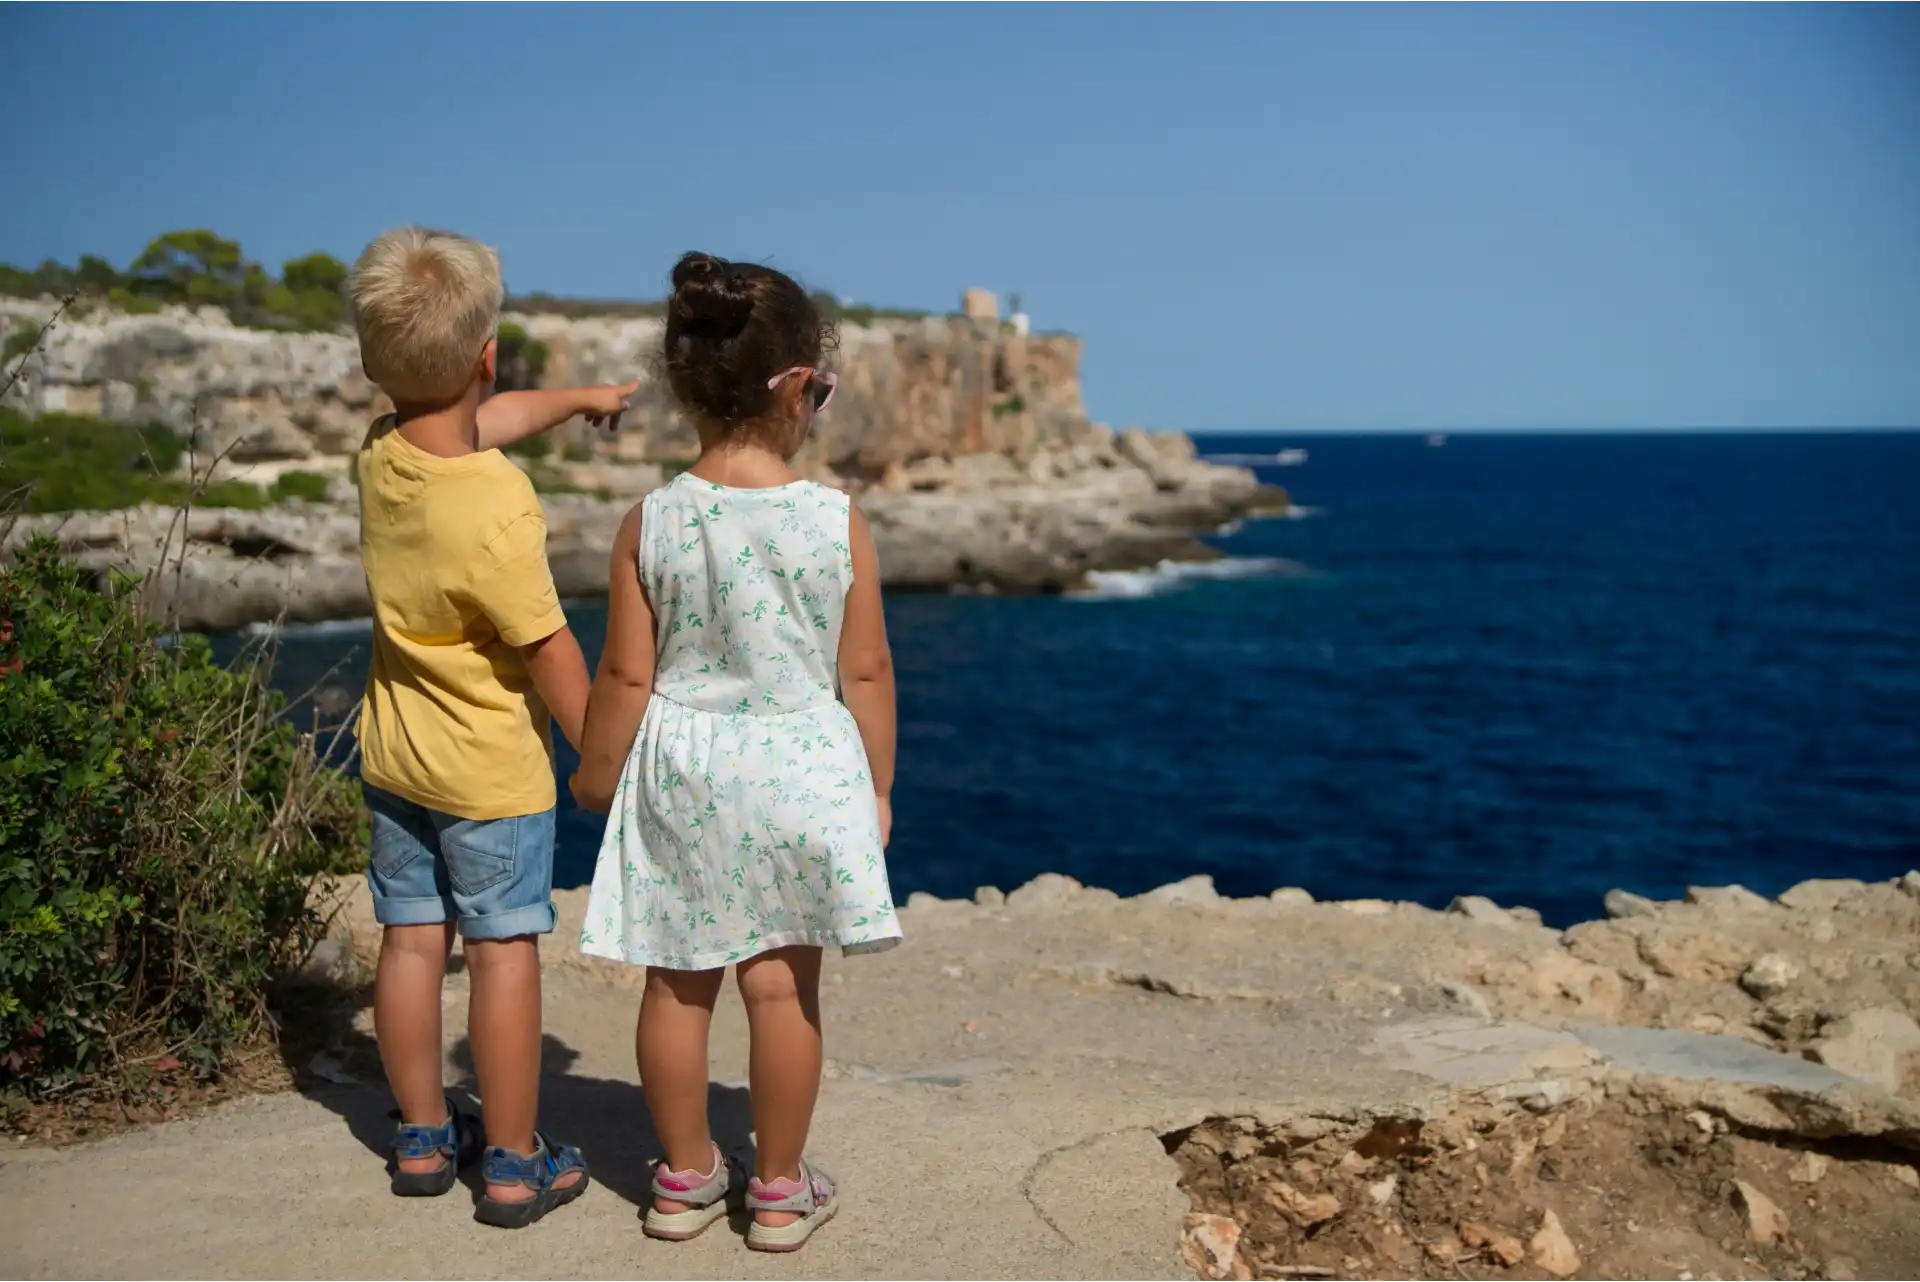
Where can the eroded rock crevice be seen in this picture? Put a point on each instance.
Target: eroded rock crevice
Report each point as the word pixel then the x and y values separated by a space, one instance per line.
pixel 1608 1186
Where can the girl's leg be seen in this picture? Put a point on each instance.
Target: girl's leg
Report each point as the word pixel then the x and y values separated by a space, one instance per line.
pixel 781 989
pixel 676 1012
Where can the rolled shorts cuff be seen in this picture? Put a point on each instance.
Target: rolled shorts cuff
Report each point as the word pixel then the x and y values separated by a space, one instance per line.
pixel 428 911
pixel 534 919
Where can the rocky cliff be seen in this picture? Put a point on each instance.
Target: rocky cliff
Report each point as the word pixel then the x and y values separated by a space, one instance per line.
pixel 967 443
pixel 910 389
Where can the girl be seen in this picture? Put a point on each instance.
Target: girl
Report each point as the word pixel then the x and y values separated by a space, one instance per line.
pixel 749 805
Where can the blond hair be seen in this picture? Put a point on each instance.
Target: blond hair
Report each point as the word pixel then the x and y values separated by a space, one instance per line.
pixel 425 303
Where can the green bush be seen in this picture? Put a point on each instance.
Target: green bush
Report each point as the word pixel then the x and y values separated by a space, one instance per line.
pixel 68 462
pixel 522 359
pixel 19 342
pixel 63 461
pixel 197 267
pixel 547 479
pixel 161 821
pixel 309 486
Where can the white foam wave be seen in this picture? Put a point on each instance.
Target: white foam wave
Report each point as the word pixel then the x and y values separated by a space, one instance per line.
pixel 1169 576
pixel 1282 458
pixel 1302 512
pixel 324 627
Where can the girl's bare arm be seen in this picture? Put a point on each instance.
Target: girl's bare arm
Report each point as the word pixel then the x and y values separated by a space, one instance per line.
pixel 617 702
pixel 866 668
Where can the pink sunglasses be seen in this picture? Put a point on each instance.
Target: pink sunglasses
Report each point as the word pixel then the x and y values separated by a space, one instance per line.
pixel 822 383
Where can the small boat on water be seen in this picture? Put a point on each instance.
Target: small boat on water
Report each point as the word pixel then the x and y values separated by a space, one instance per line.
pixel 1290 458
pixel 1437 440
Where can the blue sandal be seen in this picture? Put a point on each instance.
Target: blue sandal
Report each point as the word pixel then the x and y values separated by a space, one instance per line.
pixel 458 1140
pixel 541 1171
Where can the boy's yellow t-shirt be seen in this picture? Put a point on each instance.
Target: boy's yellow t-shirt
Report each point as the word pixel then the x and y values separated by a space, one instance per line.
pixel 455 551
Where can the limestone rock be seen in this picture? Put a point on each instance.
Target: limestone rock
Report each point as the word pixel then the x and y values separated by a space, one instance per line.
pixel 329 962
pixel 1048 890
pixel 1695 955
pixel 1366 907
pixel 1910 883
pixel 1304 1209
pixel 1872 1045
pixel 952 419
pixel 1552 1249
pixel 1290 897
pixel 1197 889
pixel 1624 903
pixel 1167 459
pixel 989 896
pixel 1211 1245
pixel 1822 894
pixel 1504 1248
pixel 1766 1222
pixel 1593 990
pixel 1467 998
pixel 1727 899
pixel 1810 1169
pixel 1840 1269
pixel 1769 975
pixel 1481 909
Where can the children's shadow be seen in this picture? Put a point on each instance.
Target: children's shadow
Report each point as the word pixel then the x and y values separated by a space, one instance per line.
pixel 606 1120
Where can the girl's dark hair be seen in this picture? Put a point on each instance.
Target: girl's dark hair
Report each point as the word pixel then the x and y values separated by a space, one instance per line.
pixel 730 328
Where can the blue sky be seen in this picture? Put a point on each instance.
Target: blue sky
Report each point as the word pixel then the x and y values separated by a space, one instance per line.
pixel 1287 216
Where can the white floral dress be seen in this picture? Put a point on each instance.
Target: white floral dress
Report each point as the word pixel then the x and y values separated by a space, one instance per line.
pixel 745 818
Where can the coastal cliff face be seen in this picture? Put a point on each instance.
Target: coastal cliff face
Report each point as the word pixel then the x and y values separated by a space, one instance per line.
pixel 909 389
pixel 966 443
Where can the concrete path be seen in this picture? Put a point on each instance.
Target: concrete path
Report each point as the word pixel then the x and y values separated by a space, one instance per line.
pixel 997 1094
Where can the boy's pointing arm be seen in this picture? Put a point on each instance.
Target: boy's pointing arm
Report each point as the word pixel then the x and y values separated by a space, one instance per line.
pixel 507 418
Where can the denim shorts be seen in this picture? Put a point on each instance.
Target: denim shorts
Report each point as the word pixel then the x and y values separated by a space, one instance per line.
pixel 492 876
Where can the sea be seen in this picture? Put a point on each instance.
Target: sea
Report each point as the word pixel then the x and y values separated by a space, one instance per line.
pixel 1531 667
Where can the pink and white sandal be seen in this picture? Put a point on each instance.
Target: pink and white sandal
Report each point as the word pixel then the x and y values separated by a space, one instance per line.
pixel 811 1197
pixel 709 1194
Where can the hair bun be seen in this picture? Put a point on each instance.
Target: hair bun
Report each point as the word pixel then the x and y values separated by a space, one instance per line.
pixel 710 299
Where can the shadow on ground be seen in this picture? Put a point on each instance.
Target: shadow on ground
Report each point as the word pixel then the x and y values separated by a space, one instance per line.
pixel 606 1119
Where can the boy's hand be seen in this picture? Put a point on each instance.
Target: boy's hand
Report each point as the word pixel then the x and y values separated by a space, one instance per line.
pixel 507 418
pixel 604 405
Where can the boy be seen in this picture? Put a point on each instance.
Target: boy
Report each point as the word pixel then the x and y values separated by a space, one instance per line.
pixel 472 657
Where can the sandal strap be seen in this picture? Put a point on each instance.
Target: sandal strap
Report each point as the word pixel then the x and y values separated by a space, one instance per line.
pixel 815 1190
pixel 703 1193
pixel 448 1139
pixel 538 1170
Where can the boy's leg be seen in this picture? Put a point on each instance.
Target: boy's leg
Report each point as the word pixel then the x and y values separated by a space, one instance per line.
pixel 503 1026
pixel 406 1020
pixel 781 989
pixel 410 902
pixel 670 1044
pixel 501 872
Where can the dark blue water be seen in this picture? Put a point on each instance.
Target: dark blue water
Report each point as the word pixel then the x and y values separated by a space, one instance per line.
pixel 1528 667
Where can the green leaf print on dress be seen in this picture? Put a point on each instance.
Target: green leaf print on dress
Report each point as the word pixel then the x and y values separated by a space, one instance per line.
pixel 745 817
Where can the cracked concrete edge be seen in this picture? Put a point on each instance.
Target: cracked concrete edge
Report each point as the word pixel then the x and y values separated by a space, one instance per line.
pixel 1117 1188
